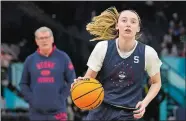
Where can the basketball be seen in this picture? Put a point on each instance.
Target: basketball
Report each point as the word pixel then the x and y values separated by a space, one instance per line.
pixel 87 94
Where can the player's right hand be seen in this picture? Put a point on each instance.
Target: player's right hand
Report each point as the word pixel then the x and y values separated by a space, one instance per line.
pixel 76 80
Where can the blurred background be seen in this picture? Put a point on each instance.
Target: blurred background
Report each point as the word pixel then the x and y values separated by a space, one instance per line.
pixel 163 28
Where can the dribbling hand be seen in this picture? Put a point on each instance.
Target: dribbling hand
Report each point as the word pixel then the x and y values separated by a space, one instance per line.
pixel 77 80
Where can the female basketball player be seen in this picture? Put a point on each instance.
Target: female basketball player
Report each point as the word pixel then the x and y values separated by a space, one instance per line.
pixel 120 63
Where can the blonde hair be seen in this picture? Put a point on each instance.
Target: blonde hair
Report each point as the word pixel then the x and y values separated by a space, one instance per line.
pixel 103 26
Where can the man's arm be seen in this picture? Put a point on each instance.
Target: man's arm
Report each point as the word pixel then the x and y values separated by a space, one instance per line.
pixel 25 82
pixel 69 76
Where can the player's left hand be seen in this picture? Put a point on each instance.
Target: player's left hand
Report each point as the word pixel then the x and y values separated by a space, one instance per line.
pixel 140 110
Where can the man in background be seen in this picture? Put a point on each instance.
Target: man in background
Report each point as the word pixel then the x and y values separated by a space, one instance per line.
pixel 46 79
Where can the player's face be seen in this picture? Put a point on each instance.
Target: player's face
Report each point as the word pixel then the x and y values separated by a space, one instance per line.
pixel 128 24
pixel 44 40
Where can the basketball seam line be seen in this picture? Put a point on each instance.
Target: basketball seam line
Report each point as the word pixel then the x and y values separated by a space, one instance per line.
pixel 87 93
pixel 83 83
pixel 94 101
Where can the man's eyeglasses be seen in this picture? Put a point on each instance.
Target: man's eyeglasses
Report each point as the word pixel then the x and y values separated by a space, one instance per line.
pixel 43 38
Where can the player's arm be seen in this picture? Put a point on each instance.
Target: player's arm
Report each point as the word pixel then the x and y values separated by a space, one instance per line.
pixel 90 73
pixel 153 64
pixel 25 82
pixel 95 60
pixel 154 88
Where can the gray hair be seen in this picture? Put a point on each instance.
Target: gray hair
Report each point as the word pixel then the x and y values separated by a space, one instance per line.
pixel 44 29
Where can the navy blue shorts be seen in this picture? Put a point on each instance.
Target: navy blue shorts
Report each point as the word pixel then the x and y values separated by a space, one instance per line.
pixel 109 113
pixel 52 116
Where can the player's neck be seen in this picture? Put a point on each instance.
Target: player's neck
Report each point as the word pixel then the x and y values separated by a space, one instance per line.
pixel 126 45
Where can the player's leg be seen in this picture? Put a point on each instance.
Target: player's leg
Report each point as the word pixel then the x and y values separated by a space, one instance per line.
pixel 112 113
pixel 99 113
pixel 125 115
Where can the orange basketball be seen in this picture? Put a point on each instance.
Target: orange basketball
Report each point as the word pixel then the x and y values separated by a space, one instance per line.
pixel 87 94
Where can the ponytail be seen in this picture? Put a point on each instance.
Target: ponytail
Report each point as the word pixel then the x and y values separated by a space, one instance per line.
pixel 103 26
